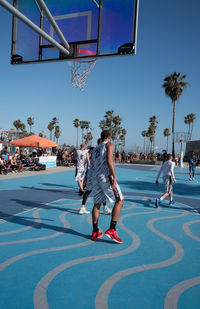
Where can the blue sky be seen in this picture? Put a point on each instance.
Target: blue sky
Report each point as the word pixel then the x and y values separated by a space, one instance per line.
pixel 168 41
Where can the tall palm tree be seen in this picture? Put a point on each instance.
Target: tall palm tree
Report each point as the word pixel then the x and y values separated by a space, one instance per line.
pixel 17 125
pixel 174 85
pixel 82 126
pixel 50 128
pixel 76 123
pixel 187 121
pixel 54 121
pixel 102 125
pixel 57 133
pixel 144 133
pixel 109 119
pixel 166 133
pixel 30 122
pixel 192 119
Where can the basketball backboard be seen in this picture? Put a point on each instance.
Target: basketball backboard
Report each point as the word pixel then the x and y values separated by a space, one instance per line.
pixel 101 27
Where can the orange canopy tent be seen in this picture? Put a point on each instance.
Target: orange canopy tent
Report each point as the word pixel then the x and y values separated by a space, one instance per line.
pixel 33 141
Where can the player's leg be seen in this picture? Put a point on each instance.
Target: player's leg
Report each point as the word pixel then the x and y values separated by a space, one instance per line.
pixel 190 172
pixel 113 195
pixel 96 234
pixel 83 210
pixel 166 193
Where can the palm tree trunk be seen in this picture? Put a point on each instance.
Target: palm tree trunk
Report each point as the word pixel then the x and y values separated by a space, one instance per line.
pixel 77 138
pixel 173 127
pixel 191 131
pixel 167 144
pixel 144 144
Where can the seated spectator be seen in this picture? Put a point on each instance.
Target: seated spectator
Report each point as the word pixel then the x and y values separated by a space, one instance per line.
pixel 19 163
pixel 3 165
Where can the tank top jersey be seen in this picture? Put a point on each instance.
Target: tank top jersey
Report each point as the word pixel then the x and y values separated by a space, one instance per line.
pixel 81 159
pixel 99 162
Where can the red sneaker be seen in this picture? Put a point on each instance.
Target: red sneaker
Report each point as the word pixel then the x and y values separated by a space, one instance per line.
pixel 96 235
pixel 112 233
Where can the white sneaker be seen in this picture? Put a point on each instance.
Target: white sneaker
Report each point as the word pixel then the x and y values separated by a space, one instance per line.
pixel 107 211
pixel 83 211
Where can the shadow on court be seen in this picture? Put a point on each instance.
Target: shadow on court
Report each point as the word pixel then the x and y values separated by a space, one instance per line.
pixel 178 188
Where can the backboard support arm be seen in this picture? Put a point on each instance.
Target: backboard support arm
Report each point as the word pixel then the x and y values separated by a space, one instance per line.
pixel 33 26
pixel 53 23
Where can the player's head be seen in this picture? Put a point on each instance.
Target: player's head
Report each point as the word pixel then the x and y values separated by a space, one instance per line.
pixel 169 156
pixel 83 146
pixel 99 141
pixel 105 135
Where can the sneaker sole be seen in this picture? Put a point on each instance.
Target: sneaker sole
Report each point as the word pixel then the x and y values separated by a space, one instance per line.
pixel 119 242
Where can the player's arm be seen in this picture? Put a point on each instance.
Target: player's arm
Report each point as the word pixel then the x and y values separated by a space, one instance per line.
pixel 88 158
pixel 160 171
pixel 110 150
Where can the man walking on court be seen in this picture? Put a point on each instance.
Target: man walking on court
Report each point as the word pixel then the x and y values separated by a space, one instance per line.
pixel 82 161
pixel 168 176
pixel 192 165
pixel 105 186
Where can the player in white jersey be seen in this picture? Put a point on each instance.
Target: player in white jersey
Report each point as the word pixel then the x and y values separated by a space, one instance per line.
pixel 105 185
pixel 82 162
pixel 168 176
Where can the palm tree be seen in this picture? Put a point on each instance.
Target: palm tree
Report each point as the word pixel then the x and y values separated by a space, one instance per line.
pixel 82 126
pixel 50 128
pixel 109 119
pixel 166 134
pixel 17 125
pixel 189 119
pixel 54 122
pixel 192 119
pixel 57 133
pixel 102 125
pixel 174 85
pixel 30 122
pixel 76 123
pixel 144 134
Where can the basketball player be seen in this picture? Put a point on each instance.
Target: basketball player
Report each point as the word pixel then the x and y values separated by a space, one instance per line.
pixel 83 210
pixel 105 186
pixel 192 165
pixel 168 176
pixel 82 161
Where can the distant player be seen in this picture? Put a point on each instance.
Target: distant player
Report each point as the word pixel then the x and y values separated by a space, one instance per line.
pixel 83 210
pixel 105 185
pixel 82 161
pixel 167 169
pixel 192 165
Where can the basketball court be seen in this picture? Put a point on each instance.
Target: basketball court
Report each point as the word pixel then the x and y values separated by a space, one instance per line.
pixel 49 261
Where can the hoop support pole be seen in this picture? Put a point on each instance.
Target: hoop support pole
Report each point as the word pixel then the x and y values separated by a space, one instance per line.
pixel 53 23
pixel 33 26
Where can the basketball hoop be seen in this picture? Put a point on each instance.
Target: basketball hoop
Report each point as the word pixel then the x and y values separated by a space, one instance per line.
pixel 80 69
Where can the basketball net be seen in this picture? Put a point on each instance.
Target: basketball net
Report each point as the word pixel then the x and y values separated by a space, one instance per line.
pixel 80 69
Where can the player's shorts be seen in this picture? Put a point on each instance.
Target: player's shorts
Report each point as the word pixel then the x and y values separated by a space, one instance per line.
pixel 79 174
pixel 168 184
pixel 102 190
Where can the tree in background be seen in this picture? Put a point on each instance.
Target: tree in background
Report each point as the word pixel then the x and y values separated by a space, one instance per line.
pixel 113 124
pixel 189 119
pixel 144 134
pixel 76 124
pixel 166 133
pixel 30 122
pixel 17 125
pixel 50 128
pixel 57 133
pixel 54 121
pixel 174 85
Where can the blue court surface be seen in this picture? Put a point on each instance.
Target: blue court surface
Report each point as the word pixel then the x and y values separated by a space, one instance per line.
pixel 47 259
